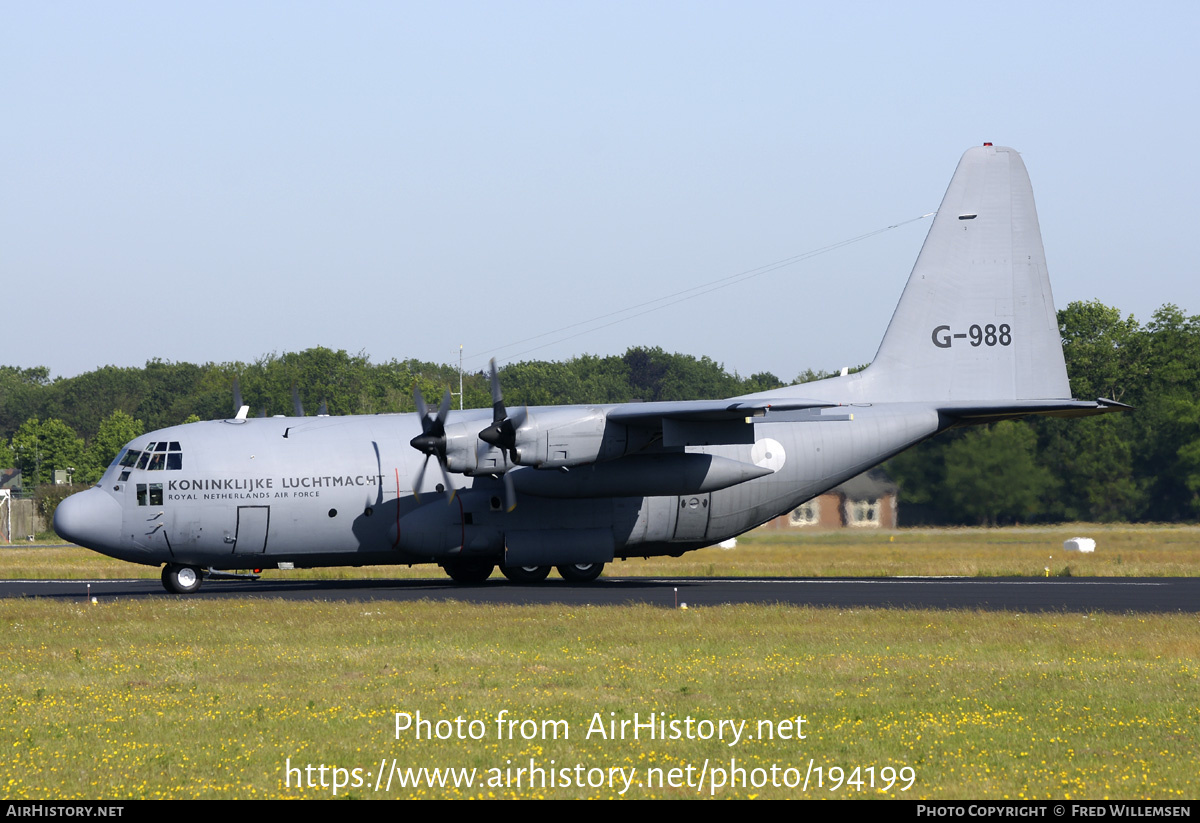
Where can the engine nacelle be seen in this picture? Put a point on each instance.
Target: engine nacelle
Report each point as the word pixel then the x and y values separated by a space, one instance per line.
pixel 547 438
pixel 557 438
pixel 467 454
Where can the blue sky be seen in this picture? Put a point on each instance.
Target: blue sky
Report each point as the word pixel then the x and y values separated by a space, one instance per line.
pixel 218 181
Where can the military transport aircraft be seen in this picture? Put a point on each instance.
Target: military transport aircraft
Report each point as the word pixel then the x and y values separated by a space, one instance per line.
pixel 974 339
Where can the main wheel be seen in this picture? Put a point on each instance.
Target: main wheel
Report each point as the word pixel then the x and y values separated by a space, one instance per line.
pixel 181 579
pixel 580 572
pixel 525 574
pixel 469 572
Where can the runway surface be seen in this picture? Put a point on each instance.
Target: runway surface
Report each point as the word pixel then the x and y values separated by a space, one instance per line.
pixel 1102 594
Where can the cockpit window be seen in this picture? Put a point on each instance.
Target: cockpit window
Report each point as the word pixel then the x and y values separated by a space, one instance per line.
pixel 157 456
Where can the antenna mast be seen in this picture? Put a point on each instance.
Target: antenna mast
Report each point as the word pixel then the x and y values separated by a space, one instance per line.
pixel 460 381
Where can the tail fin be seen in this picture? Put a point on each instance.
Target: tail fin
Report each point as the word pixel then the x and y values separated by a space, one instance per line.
pixel 976 321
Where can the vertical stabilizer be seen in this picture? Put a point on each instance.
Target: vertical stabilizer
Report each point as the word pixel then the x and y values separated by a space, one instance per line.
pixel 976 321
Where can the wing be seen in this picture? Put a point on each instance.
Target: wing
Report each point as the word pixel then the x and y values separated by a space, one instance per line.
pixel 634 414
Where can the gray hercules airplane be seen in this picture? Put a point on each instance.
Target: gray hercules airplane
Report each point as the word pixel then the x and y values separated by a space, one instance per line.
pixel 973 340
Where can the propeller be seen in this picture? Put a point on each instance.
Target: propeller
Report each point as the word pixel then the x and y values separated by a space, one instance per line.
pixel 432 440
pixel 296 405
pixel 503 434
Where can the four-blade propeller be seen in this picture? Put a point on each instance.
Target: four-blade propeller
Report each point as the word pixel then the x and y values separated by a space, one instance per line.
pixel 432 441
pixel 501 434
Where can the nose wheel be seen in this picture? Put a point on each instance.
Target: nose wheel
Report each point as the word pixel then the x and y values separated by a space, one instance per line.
pixel 180 579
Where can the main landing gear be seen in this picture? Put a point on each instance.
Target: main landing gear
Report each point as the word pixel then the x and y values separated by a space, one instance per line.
pixel 473 572
pixel 525 574
pixel 580 572
pixel 181 579
pixel 469 572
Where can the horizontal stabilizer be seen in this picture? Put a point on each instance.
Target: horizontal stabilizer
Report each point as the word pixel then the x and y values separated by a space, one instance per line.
pixel 991 412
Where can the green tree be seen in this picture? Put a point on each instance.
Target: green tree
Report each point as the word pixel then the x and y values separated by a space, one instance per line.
pixel 1189 458
pixel 1103 352
pixel 20 394
pixel 170 394
pixel 115 431
pixel 538 383
pixel 81 401
pixel 992 475
pixel 921 474
pixel 656 375
pixel 762 381
pixel 1094 463
pixel 1167 420
pixel 42 447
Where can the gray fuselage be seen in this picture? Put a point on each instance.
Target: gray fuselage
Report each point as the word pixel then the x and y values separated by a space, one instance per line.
pixel 338 491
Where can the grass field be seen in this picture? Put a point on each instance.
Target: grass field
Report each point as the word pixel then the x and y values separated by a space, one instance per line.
pixel 175 697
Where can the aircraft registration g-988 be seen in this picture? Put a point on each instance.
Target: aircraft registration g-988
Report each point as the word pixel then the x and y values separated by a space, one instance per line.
pixel 974 339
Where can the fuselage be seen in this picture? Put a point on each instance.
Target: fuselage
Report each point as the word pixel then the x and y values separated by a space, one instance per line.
pixel 321 491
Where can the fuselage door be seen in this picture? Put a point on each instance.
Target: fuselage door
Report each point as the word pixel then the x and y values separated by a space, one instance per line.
pixel 252 523
pixel 691 517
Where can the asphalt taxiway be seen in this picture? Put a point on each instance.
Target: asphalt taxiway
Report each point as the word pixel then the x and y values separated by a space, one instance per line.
pixel 1097 594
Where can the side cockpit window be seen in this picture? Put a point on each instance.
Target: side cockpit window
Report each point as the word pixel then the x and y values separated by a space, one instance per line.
pixel 150 494
pixel 159 456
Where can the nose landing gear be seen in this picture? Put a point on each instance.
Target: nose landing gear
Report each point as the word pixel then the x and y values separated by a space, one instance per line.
pixel 181 579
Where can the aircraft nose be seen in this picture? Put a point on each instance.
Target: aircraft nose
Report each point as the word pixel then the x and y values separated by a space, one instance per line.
pixel 89 518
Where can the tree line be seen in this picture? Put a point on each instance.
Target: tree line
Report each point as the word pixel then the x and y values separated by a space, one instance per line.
pixel 1142 465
